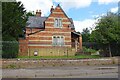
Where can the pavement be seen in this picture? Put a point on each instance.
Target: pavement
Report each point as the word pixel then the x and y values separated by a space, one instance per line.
pixel 103 71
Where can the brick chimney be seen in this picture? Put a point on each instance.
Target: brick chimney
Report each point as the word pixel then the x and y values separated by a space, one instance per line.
pixel 51 10
pixel 38 13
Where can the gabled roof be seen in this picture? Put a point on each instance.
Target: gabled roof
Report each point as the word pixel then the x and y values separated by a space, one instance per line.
pixel 38 22
pixel 62 11
pixel 35 22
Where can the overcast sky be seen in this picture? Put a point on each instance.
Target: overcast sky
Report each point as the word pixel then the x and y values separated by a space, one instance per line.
pixel 83 12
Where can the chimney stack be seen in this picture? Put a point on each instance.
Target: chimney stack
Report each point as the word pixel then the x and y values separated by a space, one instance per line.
pixel 38 13
pixel 51 10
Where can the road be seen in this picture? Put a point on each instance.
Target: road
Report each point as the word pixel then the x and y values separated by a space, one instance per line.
pixel 103 71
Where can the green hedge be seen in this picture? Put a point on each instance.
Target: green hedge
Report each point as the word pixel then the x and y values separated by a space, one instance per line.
pixel 9 47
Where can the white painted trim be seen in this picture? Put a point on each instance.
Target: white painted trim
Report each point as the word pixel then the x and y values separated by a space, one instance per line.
pixel 55 32
pixel 66 22
pixel 55 17
pixel 60 38
pixel 47 45
pixel 41 40
pixel 49 40
pixel 58 21
pixel 67 41
pixel 38 36
pixel 49 27
pixel 39 45
pixel 49 22
pixel 45 36
pixel 57 12
pixel 62 22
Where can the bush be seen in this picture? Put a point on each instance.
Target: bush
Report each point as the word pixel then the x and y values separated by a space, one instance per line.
pixel 88 50
pixel 9 47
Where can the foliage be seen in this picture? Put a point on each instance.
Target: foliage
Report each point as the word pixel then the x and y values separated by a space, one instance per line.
pixel 88 50
pixel 86 35
pixel 29 14
pixel 13 21
pixel 60 57
pixel 107 31
pixel 9 48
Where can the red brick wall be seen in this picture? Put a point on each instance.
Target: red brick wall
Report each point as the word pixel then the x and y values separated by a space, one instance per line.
pixel 45 37
pixel 23 47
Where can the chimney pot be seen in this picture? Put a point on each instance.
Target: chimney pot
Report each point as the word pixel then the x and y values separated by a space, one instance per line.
pixel 36 10
pixel 39 10
pixel 58 5
pixel 38 13
pixel 51 9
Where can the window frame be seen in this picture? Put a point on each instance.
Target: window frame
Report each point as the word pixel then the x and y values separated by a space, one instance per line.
pixel 58 23
pixel 60 40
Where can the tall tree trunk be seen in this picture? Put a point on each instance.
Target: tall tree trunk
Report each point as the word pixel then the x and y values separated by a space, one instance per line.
pixel 110 51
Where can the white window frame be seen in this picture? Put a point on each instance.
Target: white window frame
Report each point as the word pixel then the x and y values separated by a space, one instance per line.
pixel 58 22
pixel 59 41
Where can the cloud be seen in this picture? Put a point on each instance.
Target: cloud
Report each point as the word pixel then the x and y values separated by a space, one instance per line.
pixel 68 4
pixel 87 23
pixel 107 1
pixel 114 10
pixel 98 16
pixel 33 5
pixel 45 5
pixel 95 16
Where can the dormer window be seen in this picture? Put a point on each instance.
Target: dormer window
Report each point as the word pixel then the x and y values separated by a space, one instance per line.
pixel 58 23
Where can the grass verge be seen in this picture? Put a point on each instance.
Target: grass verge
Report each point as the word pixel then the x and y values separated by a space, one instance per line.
pixel 61 57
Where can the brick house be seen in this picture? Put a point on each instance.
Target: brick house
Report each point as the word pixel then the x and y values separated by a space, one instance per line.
pixel 54 35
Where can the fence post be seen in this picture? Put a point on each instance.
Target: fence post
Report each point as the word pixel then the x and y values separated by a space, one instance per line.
pixel 67 53
pixel 28 53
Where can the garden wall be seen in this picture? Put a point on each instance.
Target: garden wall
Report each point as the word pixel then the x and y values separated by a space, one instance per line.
pixel 37 63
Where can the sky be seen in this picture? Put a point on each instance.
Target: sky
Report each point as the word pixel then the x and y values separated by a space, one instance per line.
pixel 83 12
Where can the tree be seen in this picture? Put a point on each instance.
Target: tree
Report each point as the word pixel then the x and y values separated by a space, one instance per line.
pixel 13 21
pixel 27 14
pixel 107 31
pixel 86 35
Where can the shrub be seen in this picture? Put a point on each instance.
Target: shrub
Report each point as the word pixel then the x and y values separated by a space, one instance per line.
pixel 88 50
pixel 9 47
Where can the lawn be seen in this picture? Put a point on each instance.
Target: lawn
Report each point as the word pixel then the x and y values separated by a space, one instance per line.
pixel 61 57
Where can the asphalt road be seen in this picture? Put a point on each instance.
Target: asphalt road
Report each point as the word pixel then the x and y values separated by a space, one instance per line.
pixel 104 71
